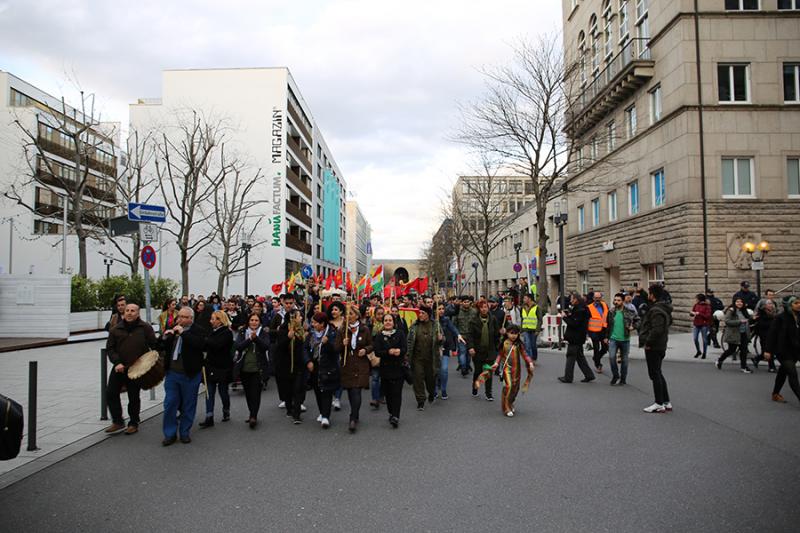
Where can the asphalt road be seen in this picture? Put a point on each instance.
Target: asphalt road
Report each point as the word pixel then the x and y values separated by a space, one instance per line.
pixel 579 457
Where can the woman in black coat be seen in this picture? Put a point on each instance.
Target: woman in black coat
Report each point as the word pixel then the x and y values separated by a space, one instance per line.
pixel 783 342
pixel 289 362
pixel 323 364
pixel 218 366
pixel 390 346
pixel 252 345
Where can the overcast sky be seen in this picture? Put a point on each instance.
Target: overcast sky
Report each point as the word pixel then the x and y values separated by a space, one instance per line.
pixel 383 79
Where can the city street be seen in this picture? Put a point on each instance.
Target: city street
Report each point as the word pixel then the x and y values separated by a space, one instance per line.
pixel 579 457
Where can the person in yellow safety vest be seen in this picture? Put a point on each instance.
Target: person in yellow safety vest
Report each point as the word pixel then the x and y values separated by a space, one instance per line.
pixel 598 323
pixel 530 324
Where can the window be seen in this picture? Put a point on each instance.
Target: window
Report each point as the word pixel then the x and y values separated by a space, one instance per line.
pixel 788 4
pixel 595 45
pixel 633 197
pixel 655 273
pixel 583 281
pixel 573 5
pixel 642 29
pixel 611 132
pixel 630 121
pixel 582 58
pixel 655 104
pixel 793 174
pixel 593 148
pixel 40 227
pixel 595 212
pixel 659 188
pixel 612 206
pixel 608 29
pixel 737 176
pixel 741 5
pixel 733 83
pixel 791 82
pixel 581 218
pixel 641 9
pixel 623 21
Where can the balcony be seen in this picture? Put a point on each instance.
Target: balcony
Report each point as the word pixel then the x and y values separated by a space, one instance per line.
pixel 69 154
pixel 93 191
pixel 298 213
pixel 295 180
pixel 628 71
pixel 299 122
pixel 302 155
pixel 296 243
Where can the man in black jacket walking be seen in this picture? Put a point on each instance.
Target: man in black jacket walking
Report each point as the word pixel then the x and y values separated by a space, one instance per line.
pixel 577 321
pixel 653 336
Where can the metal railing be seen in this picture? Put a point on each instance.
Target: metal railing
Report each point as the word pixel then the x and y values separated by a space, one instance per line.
pixel 790 288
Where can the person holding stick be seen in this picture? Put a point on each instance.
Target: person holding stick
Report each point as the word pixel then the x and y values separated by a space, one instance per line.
pixel 356 344
pixel 510 362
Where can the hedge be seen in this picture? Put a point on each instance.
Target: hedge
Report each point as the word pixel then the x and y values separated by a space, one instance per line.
pixel 90 295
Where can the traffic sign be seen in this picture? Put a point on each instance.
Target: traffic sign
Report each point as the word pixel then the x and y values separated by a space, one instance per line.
pixel 306 271
pixel 148 233
pixel 146 213
pixel 517 267
pixel 148 257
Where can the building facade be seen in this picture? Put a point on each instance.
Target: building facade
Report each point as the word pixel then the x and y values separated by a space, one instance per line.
pixel 358 248
pixel 38 170
pixel 699 112
pixel 271 127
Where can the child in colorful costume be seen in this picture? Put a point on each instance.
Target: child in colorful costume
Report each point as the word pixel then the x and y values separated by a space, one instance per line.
pixel 509 361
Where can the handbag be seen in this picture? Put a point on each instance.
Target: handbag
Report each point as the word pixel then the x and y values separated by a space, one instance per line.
pixel 11 424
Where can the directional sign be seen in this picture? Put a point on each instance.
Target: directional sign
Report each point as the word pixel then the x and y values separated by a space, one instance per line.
pixel 146 213
pixel 148 257
pixel 306 271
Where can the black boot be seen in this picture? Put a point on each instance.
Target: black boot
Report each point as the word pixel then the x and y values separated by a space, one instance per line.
pixel 207 423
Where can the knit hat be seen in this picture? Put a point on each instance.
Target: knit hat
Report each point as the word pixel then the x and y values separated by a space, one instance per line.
pixel 426 309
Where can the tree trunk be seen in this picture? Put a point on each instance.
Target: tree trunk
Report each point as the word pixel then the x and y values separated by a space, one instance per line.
pixel 136 252
pixel 485 275
pixel 184 269
pixel 541 264
pixel 223 272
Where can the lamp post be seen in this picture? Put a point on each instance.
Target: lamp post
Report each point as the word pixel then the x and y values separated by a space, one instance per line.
pixel 560 220
pixel 517 248
pixel 757 252
pixel 107 261
pixel 246 247
pixel 475 266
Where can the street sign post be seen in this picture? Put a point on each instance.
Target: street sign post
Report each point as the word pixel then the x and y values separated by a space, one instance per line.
pixel 148 232
pixel 517 267
pixel 146 213
pixel 306 271
pixel 148 257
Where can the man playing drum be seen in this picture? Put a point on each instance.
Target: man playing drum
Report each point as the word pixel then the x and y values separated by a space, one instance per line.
pixel 128 340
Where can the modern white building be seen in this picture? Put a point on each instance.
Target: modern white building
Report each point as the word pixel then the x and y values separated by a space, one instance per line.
pixel 359 237
pixel 31 240
pixel 269 127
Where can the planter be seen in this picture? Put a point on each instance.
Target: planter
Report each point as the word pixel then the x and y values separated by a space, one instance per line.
pixel 96 320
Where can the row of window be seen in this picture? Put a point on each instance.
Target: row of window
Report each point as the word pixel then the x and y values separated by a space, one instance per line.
pixel 738 181
pixel 755 5
pixel 653 273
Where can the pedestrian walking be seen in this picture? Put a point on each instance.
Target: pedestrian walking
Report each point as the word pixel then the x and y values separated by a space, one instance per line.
pixel 509 362
pixel 449 348
pixel 653 337
pixel 464 315
pixel 577 320
pixel 356 343
pixel 424 344
pixel 218 366
pixel 737 333
pixel 622 320
pixel 701 322
pixel 289 361
pixel 716 305
pixel 598 323
pixel 252 361
pixel 783 342
pixel 169 314
pixel 390 346
pixel 323 365
pixel 484 337
pixel 529 320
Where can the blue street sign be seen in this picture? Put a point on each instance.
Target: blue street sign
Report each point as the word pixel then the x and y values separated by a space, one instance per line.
pixel 148 257
pixel 146 213
pixel 306 271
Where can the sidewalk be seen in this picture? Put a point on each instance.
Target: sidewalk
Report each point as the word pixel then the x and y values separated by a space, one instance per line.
pixel 68 401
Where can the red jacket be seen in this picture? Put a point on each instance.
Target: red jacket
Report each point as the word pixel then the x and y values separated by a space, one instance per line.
pixel 703 316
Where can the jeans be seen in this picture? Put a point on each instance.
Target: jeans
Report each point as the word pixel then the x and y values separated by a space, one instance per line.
pixel 575 355
pixel 742 347
pixel 441 379
pixel 375 384
pixel 251 383
pixel 180 392
pixel 354 398
pixel 115 382
pixel 787 370
pixel 654 360
pixel 393 390
pixel 324 399
pixel 529 340
pixel 213 387
pixel 624 347
pixel 696 332
pixel 599 348
pixel 463 358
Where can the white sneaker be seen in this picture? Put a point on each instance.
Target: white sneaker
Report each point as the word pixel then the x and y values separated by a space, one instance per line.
pixel 668 406
pixel 510 414
pixel 319 418
pixel 303 408
pixel 282 405
pixel 325 423
pixel 337 405
pixel 655 408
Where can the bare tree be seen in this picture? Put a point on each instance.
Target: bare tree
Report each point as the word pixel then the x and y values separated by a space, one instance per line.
pixel 457 239
pixel 523 122
pixel 188 176
pixel 85 186
pixel 233 202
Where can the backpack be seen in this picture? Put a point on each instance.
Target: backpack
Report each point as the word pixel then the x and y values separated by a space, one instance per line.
pixel 11 423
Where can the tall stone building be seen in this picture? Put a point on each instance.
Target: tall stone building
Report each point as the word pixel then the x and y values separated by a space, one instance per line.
pixel 700 112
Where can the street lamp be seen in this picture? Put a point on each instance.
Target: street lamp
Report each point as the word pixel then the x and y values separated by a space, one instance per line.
pixel 560 220
pixel 757 252
pixel 517 248
pixel 246 247
pixel 475 266
pixel 107 261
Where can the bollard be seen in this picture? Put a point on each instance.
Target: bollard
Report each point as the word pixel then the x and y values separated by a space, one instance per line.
pixel 103 384
pixel 32 386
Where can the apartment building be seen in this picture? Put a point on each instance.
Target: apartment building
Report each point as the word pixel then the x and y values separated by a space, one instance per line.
pixel 687 124
pixel 270 127
pixel 359 241
pixel 32 241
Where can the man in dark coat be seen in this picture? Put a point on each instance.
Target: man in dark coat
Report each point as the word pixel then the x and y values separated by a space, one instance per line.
pixel 183 361
pixel 653 336
pixel 127 341
pixel 484 337
pixel 577 321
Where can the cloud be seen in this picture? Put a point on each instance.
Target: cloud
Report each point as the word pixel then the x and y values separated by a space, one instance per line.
pixel 382 79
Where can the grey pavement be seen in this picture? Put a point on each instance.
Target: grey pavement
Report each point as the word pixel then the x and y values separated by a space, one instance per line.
pixel 578 457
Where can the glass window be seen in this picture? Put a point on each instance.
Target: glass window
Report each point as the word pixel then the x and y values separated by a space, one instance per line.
pixel 593 148
pixel 737 176
pixel 630 120
pixel 612 206
pixel 633 197
pixel 655 104
pixel 791 82
pixel 623 20
pixel 659 188
pixel 608 30
pixel 583 280
pixel 793 173
pixel 641 9
pixel 788 4
pixel 595 45
pixel 611 133
pixel 655 273
pixel 595 212
pixel 733 83
pixel 741 5
pixel 581 218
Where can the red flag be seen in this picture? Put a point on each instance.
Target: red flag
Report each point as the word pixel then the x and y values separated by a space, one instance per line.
pixel 422 284
pixel 368 289
pixel 349 285
pixel 329 282
pixel 276 289
pixel 339 277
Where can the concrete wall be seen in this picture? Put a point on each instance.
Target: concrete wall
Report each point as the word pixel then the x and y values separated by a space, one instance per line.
pixel 34 306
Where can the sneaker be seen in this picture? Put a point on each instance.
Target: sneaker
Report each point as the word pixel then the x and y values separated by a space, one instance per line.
pixel 297 421
pixel 374 405
pixel 474 391
pixel 319 418
pixel 444 396
pixel 698 354
pixel 226 417
pixel 337 404
pixel 394 421
pixel 431 399
pixel 587 380
pixel 489 398
pixel 771 370
pixel 668 407
pixel 746 370
pixel 282 405
pixel 623 382
pixel 130 430
pixel 778 398
pixel 563 380
pixel 325 423
pixel 510 414
pixel 718 364
pixel 655 408
pixel 207 423
pixel 420 406
pixel 303 408
pixel 614 380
